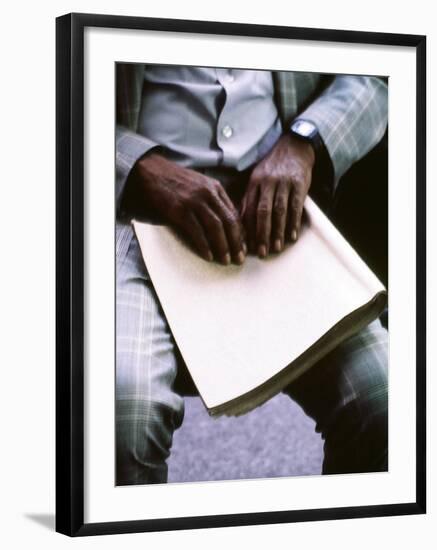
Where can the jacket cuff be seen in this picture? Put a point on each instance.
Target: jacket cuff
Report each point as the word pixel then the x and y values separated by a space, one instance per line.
pixel 129 148
pixel 322 184
pixel 351 116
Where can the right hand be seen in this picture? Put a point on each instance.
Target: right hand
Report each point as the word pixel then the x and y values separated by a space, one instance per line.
pixel 195 205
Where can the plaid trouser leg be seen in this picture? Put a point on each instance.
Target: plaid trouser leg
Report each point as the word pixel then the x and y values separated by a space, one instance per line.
pixel 346 394
pixel 148 410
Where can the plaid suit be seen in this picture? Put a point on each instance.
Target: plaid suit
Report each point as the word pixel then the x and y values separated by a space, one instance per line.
pixel 350 113
pixel 346 394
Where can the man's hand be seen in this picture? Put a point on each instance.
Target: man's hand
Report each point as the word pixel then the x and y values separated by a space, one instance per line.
pixel 272 205
pixel 195 205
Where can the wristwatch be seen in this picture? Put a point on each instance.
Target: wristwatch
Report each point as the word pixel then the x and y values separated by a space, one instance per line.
pixel 307 131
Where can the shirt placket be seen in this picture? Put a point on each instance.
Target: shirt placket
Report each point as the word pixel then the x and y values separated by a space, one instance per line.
pixel 225 131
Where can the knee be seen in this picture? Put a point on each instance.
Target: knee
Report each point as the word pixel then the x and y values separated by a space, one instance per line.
pixel 144 434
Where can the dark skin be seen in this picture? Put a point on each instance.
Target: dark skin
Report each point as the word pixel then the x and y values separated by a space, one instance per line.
pixel 199 209
pixel 272 206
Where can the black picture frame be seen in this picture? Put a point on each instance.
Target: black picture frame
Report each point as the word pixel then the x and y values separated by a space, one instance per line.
pixel 70 272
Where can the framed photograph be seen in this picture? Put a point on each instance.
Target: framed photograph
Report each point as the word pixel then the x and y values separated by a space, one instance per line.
pixel 225 151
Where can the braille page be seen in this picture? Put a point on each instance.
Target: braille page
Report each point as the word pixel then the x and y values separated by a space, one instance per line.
pixel 237 326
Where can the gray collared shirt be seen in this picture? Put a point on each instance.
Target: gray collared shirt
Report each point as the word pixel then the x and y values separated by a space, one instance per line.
pixel 209 117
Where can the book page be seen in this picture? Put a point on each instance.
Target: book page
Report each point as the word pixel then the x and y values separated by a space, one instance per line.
pixel 237 326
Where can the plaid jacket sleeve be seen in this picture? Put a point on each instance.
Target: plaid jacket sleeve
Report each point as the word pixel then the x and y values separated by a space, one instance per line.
pixel 129 145
pixel 351 116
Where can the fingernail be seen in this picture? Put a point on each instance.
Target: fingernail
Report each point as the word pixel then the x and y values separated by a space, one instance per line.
pixel 244 248
pixel 209 256
pixel 262 251
pixel 240 258
pixel 294 235
pixel 278 245
pixel 227 258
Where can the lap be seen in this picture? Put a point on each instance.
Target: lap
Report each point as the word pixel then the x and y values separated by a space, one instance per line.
pixel 148 360
pixel 349 383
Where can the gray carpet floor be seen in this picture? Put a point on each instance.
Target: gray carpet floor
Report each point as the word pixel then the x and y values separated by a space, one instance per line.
pixel 275 440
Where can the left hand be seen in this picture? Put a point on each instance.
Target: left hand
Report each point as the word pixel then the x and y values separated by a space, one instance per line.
pixel 272 205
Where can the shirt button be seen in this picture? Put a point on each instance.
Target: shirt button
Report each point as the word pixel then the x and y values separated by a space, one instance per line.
pixel 227 131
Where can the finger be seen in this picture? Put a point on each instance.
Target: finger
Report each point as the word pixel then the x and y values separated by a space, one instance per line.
pixel 193 231
pixel 233 227
pixel 296 202
pixel 242 213
pixel 249 215
pixel 264 219
pixel 242 209
pixel 279 215
pixel 214 232
pixel 227 200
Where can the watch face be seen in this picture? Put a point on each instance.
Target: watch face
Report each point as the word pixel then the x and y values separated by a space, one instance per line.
pixel 304 128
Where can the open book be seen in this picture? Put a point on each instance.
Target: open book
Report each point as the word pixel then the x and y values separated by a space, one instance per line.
pixel 245 332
